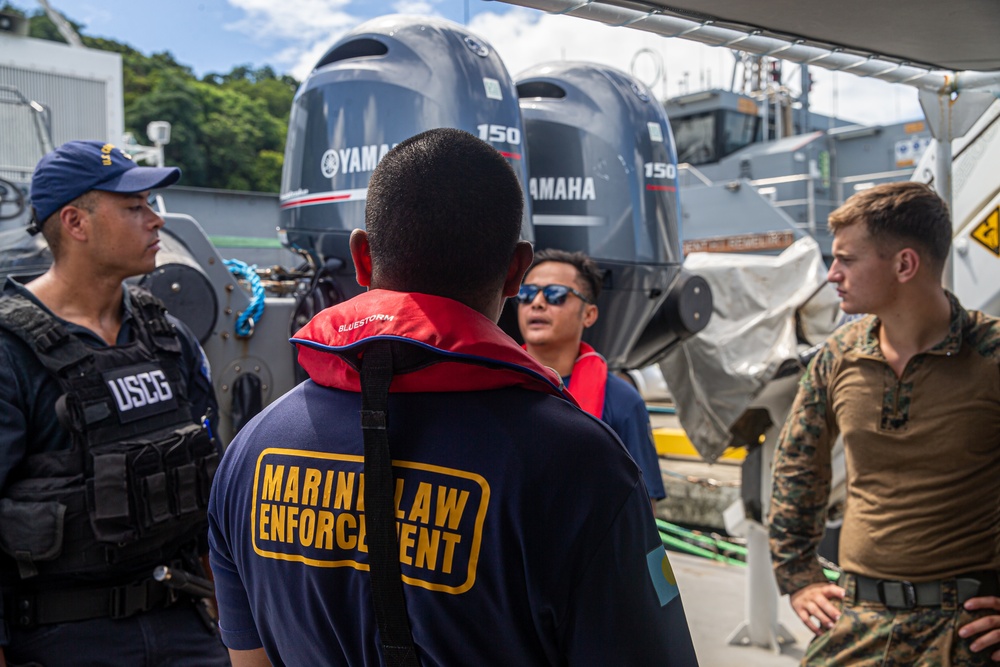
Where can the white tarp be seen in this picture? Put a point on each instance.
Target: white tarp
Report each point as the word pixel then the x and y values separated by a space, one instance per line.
pixel 767 310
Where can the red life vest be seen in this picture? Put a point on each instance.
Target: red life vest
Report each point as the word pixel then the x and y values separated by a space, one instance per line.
pixel 589 380
pixel 474 353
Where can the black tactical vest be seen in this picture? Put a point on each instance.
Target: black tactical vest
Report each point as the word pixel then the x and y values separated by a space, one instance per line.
pixel 134 486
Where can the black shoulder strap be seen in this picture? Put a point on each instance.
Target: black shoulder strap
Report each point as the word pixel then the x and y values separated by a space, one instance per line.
pixel 55 347
pixel 380 517
pixel 151 316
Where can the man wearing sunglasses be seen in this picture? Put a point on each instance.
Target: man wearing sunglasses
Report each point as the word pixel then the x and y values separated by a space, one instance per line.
pixel 556 303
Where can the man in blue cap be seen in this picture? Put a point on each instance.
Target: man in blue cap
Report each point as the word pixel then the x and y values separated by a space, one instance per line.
pixel 105 458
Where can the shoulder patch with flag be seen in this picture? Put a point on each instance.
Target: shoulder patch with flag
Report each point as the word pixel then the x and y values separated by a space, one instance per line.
pixel 662 575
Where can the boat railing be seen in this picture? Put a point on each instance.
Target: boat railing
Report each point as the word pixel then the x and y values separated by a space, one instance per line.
pixel 894 175
pixel 687 168
pixel 767 187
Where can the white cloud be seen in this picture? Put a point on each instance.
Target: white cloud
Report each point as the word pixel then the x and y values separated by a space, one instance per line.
pixel 525 38
pixel 311 27
pixel 863 100
pixel 292 19
pixel 418 7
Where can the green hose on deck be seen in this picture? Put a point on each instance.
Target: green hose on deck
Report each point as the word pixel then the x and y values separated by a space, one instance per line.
pixel 720 544
pixel 668 531
pixel 687 547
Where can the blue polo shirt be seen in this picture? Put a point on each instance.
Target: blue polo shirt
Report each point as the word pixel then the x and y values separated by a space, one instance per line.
pixel 625 412
pixel 525 534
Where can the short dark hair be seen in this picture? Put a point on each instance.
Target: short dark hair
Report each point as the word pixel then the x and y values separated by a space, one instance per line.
pixel 899 214
pixel 589 272
pixel 51 227
pixel 443 216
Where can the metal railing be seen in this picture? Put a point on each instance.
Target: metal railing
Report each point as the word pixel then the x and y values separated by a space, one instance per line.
pixel 26 128
pixel 897 175
pixel 809 201
pixel 657 19
pixel 691 169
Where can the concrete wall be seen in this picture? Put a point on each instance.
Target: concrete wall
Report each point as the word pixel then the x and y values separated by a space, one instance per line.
pixel 242 225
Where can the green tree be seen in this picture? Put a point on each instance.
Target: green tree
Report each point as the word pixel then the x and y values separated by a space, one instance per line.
pixel 175 98
pixel 267 168
pixel 8 8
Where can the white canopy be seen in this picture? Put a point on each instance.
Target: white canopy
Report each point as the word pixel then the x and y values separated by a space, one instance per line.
pixel 929 44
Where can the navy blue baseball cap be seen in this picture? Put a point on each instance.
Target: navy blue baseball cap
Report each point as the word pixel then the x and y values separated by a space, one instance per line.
pixel 77 167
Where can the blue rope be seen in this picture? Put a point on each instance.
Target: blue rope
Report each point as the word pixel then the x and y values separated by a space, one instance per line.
pixel 249 317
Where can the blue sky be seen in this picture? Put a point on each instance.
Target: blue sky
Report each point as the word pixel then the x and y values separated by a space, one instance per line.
pixel 290 36
pixel 215 35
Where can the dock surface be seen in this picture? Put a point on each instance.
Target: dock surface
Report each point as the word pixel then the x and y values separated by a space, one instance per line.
pixel 714 600
pixel 714 594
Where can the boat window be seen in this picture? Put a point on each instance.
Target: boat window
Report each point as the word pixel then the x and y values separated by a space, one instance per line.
pixel 712 135
pixel 738 130
pixel 694 137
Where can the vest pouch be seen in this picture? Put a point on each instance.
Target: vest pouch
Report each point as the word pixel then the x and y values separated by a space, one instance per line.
pixel 31 532
pixel 206 473
pixel 147 487
pixel 65 519
pixel 191 462
pixel 127 493
pixel 110 495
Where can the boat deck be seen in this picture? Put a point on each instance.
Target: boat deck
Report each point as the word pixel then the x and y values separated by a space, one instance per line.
pixel 714 594
pixel 714 597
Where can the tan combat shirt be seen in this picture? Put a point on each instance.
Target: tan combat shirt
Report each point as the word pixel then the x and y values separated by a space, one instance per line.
pixel 922 451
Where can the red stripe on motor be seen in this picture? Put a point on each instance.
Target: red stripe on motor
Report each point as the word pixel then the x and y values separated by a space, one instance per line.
pixel 661 188
pixel 314 200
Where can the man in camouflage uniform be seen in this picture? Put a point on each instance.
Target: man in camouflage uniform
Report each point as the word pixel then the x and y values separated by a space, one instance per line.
pixel 914 388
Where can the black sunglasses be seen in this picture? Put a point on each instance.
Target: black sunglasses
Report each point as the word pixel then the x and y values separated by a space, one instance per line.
pixel 555 295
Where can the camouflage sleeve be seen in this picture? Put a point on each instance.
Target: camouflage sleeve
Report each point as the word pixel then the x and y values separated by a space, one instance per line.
pixel 800 483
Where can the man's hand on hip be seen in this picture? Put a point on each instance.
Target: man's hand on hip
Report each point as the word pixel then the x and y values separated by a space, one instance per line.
pixel 813 605
pixel 987 624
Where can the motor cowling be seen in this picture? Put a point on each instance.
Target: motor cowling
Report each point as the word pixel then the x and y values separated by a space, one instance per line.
pixel 603 180
pixel 389 79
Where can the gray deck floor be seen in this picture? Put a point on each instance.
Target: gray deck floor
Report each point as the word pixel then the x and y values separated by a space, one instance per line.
pixel 714 598
pixel 715 594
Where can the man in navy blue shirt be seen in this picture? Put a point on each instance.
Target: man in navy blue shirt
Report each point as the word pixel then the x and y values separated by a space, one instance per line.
pixel 522 527
pixel 102 396
pixel 556 303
